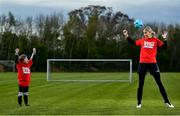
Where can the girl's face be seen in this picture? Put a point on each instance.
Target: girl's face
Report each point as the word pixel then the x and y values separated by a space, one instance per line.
pixel 147 34
pixel 26 60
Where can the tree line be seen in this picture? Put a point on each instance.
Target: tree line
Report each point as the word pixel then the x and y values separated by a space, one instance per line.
pixel 88 32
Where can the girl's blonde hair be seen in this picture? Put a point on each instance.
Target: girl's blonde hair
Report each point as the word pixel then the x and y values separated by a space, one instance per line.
pixel 149 29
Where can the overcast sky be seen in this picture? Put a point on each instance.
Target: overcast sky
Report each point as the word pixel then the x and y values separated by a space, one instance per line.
pixel 166 11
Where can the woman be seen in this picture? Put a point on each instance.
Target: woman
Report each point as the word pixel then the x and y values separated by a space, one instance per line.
pixel 149 45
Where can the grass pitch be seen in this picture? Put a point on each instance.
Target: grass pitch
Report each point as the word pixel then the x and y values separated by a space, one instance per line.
pixel 89 98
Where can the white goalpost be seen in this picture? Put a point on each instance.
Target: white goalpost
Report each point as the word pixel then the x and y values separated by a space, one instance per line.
pixel 89 70
pixel 7 66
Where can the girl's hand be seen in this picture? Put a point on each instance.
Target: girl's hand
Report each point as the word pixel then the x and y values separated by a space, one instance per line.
pixel 34 50
pixel 17 50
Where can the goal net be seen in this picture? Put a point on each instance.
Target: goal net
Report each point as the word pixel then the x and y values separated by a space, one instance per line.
pixel 7 66
pixel 90 70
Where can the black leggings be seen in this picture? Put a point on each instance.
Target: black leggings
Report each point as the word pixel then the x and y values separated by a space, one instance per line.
pixel 154 70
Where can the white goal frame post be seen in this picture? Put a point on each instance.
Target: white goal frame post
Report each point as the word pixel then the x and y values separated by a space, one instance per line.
pixel 7 62
pixel 91 60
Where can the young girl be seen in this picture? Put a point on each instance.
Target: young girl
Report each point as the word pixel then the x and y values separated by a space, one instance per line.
pixel 149 45
pixel 24 75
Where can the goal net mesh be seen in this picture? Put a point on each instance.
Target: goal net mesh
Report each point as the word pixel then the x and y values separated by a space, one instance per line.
pixel 89 70
pixel 7 66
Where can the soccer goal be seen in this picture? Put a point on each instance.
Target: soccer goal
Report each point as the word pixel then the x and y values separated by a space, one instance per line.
pixel 89 70
pixel 7 66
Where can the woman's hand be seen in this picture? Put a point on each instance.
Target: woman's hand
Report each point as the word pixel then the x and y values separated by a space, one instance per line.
pixel 164 35
pixel 125 32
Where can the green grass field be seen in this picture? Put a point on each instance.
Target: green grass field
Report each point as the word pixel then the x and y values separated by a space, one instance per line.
pixel 87 98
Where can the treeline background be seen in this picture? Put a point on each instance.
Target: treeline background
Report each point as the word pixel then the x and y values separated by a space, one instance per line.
pixel 88 32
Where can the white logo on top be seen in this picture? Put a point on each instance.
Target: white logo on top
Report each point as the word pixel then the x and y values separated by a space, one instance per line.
pixel 26 70
pixel 148 44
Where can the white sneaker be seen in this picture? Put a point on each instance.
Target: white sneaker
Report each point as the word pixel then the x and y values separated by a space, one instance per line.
pixel 169 105
pixel 138 106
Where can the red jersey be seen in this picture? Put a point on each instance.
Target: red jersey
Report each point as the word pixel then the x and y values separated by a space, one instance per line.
pixel 148 49
pixel 24 73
